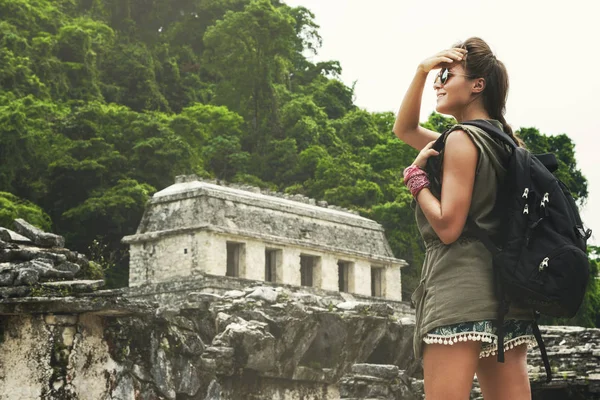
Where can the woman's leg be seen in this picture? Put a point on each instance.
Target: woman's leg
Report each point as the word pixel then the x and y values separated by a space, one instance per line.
pixel 449 370
pixel 507 380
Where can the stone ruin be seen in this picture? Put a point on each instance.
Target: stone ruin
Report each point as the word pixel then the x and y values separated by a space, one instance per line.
pixel 197 227
pixel 36 262
pixel 207 336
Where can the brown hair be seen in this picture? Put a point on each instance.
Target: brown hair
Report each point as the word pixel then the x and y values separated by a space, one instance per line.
pixel 481 62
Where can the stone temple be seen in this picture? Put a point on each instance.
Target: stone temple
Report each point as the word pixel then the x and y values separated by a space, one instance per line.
pixel 194 227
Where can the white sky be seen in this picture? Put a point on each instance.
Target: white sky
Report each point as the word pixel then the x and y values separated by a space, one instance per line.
pixel 552 53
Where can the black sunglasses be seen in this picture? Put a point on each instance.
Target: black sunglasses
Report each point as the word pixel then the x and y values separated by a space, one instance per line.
pixel 444 75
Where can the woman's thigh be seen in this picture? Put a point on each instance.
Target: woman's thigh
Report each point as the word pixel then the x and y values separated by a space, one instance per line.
pixel 449 370
pixel 507 380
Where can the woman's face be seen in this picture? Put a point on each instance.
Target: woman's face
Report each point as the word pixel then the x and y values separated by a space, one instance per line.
pixel 453 89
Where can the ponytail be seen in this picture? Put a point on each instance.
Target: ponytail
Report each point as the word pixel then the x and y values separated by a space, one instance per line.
pixel 508 130
pixel 481 62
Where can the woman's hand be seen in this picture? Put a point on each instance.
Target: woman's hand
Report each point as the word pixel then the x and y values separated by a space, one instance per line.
pixel 427 152
pixel 447 56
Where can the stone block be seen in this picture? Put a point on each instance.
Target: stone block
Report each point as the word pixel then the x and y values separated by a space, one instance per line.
pixel 264 293
pixel 70 267
pixel 27 276
pixel 387 372
pixel 61 319
pixel 7 274
pixel 75 286
pixel 38 236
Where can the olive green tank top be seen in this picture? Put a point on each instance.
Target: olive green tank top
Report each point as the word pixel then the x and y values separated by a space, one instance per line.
pixel 456 281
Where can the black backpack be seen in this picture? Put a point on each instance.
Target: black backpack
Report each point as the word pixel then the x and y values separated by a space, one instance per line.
pixel 539 255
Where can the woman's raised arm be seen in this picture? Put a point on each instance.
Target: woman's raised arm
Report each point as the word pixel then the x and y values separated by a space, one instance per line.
pixel 407 127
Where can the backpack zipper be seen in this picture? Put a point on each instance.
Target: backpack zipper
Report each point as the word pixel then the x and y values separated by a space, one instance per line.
pixel 545 200
pixel 544 264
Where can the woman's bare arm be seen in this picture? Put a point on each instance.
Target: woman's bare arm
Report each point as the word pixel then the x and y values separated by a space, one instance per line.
pixel 448 216
pixel 407 126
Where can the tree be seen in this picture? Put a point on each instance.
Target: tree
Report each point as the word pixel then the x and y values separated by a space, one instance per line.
pixel 12 207
pixel 113 213
pixel 248 53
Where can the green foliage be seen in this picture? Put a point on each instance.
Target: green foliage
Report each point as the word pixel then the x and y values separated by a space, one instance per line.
pixel 438 123
pixel 113 213
pixel 249 52
pixel 12 207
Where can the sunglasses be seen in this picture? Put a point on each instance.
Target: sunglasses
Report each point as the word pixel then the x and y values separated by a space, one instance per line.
pixel 444 75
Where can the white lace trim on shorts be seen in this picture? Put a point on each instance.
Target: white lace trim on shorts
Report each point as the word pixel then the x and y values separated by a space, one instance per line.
pixel 489 341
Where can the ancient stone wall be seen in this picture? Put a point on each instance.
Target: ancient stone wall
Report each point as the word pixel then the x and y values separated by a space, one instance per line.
pixel 199 340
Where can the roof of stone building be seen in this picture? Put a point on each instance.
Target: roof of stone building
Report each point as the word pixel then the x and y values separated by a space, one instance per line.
pixel 192 205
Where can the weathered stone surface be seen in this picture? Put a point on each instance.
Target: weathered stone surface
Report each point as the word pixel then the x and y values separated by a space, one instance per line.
pixel 45 269
pixel 61 319
pixel 79 286
pixel 38 236
pixel 220 359
pixel 234 294
pixel 574 354
pixel 254 345
pixel 4 237
pixel 381 382
pixel 12 236
pixel 15 291
pixel 27 276
pixel 214 391
pixel 376 370
pixel 264 293
pixel 117 344
pixel 67 266
pixel 26 269
pixel 7 274
pixel 7 245
pixel 25 370
pixel 29 253
pixel 348 305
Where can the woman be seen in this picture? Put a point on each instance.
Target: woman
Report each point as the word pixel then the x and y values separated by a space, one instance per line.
pixel 455 303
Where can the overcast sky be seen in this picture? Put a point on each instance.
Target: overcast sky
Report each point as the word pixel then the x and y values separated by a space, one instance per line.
pixel 552 53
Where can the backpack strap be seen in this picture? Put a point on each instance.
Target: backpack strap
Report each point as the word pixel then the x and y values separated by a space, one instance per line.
pixel 482 235
pixel 492 130
pixel 542 346
pixel 548 159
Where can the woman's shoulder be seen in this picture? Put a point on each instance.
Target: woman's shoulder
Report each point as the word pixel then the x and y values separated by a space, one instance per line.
pixel 475 130
pixel 480 137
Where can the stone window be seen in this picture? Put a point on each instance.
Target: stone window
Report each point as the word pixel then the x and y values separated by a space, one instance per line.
pixel 344 268
pixel 272 264
pixel 377 281
pixel 235 258
pixel 308 265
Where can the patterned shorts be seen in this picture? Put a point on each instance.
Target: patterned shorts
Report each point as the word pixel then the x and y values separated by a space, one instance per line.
pixel 515 334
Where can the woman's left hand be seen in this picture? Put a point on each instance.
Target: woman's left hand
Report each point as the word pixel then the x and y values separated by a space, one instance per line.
pixel 427 152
